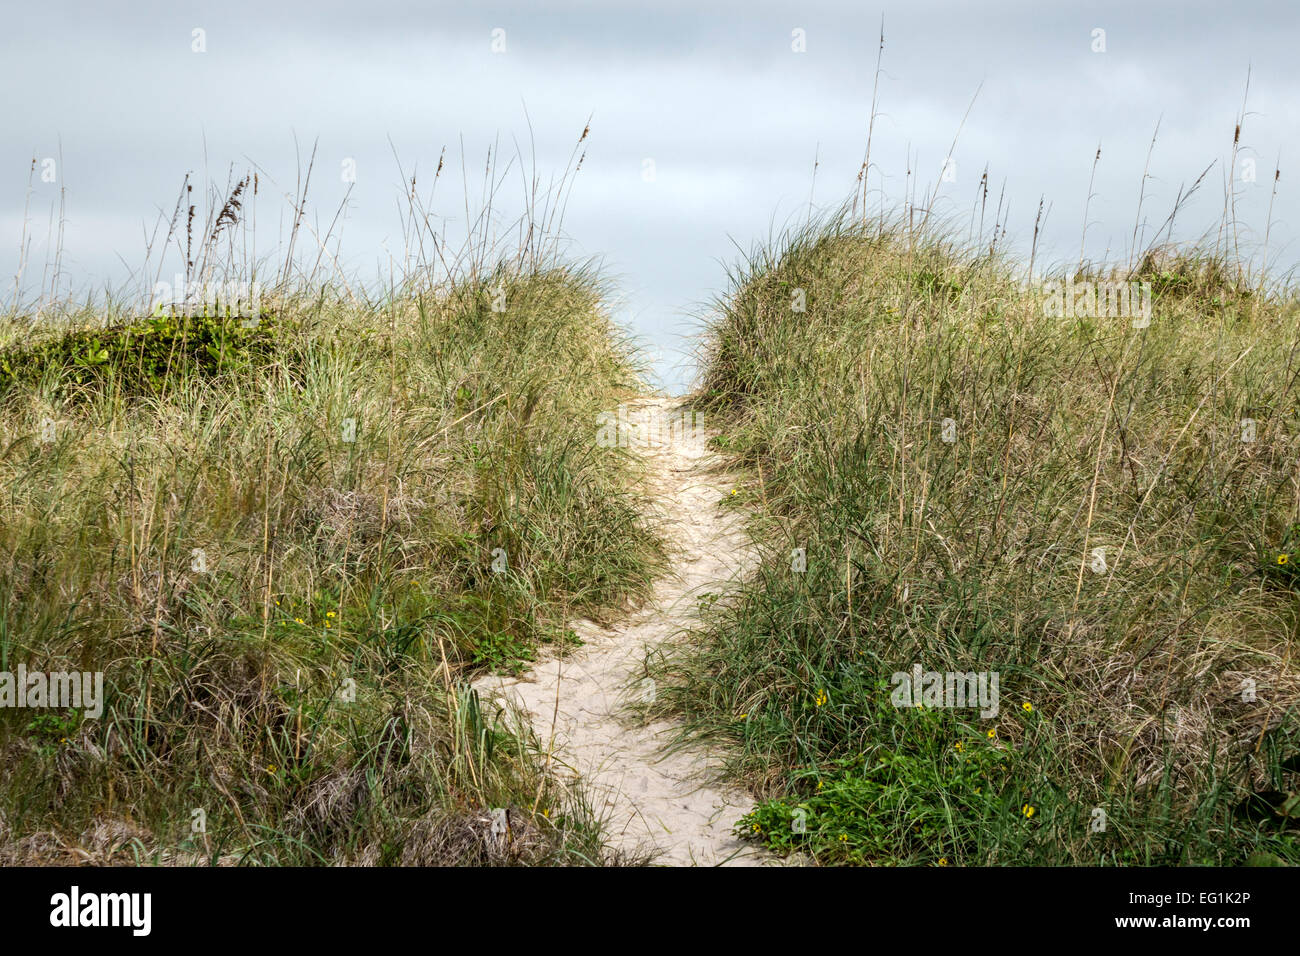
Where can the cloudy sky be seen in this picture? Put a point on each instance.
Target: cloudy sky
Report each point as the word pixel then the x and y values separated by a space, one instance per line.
pixel 717 96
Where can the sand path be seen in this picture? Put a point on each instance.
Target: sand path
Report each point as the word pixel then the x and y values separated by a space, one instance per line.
pixel 583 703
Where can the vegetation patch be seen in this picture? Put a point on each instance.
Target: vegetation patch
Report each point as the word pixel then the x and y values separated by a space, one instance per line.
pixel 290 549
pixel 142 357
pixel 948 475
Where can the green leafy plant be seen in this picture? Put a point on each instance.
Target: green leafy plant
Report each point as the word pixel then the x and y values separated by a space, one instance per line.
pixel 143 357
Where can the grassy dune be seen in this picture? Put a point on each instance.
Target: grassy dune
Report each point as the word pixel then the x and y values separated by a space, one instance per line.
pixel 1148 700
pixel 287 550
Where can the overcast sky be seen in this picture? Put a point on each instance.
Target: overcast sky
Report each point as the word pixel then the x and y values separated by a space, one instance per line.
pixel 713 93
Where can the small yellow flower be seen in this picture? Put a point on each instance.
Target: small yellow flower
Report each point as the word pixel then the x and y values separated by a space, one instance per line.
pixel 819 784
pixel 271 769
pixel 1027 810
pixel 822 697
pixel 1027 707
pixel 943 861
pixel 1283 558
pixel 330 614
pixel 735 491
pixel 993 733
pixel 844 838
pixel 743 716
pixel 299 620
pixel 958 747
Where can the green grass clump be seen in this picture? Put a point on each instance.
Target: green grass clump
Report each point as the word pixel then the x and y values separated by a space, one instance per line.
pixel 864 809
pixel 280 546
pixel 141 357
pixel 1148 697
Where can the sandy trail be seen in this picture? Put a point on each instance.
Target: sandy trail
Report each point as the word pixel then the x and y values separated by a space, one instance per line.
pixel 652 800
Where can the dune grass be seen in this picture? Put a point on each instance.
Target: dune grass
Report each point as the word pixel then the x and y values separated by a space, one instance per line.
pixel 1103 515
pixel 288 551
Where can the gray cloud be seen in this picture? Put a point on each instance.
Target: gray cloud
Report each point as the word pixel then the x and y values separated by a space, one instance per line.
pixel 713 94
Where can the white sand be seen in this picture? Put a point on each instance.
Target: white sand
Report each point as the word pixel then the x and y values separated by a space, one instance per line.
pixel 582 704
